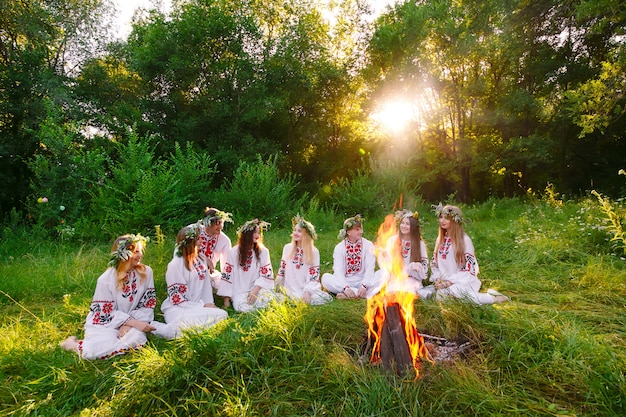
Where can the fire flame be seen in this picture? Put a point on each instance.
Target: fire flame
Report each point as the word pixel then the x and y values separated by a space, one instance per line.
pixel 395 290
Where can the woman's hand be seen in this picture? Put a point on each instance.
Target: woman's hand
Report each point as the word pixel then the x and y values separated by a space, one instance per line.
pixel 142 326
pixel 307 297
pixel 209 305
pixel 124 328
pixel 440 284
pixel 252 295
pixel 362 291
pixel 416 266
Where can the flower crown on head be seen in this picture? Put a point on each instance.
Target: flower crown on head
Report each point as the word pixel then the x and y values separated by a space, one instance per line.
pixel 219 215
pixel 403 214
pixel 349 223
pixel 449 213
pixel 299 221
pixel 125 249
pixel 250 225
pixel 191 234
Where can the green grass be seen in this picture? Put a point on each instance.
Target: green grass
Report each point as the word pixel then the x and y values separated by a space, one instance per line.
pixel 558 348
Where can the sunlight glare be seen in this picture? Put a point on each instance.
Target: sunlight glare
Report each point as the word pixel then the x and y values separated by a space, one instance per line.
pixel 394 115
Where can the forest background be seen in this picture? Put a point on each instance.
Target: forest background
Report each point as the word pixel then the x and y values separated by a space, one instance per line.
pixel 501 98
pixel 512 109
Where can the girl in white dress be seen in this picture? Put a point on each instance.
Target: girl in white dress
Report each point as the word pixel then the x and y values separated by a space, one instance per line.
pixel 410 245
pixel 122 309
pixel 299 272
pixel 250 270
pixel 454 266
pixel 189 300
pixel 354 262
pixel 215 245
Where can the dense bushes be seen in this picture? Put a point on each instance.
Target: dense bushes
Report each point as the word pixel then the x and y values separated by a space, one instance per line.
pixel 104 188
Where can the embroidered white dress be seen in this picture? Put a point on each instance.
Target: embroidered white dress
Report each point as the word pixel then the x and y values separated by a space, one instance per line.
pixel 110 308
pixel 296 277
pixel 187 293
pixel 353 266
pixel 215 248
pixel 464 278
pixel 245 278
pixel 414 283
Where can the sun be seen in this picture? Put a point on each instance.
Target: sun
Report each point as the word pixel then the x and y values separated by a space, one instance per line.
pixel 394 115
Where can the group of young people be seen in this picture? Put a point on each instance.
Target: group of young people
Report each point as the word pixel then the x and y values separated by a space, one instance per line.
pixel 122 310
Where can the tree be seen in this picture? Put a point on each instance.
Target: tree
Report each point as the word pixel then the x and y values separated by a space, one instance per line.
pixel 41 42
pixel 499 75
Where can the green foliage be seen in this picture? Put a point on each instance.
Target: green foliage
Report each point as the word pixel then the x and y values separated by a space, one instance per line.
pixel 64 169
pixel 142 191
pixel 616 217
pixel 259 190
pixel 374 191
pixel 358 193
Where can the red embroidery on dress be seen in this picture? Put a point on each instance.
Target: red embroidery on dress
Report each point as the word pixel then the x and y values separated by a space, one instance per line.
pixel 248 264
pixel 445 246
pixel 200 268
pixel 266 272
pixel 354 252
pixel 298 258
pixel 207 244
pixel 130 288
pixel 406 248
pixel 177 292
pixel 314 273
pixel 281 270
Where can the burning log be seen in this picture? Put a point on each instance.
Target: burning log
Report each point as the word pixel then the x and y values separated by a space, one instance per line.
pixel 394 349
pixel 393 339
pixel 392 333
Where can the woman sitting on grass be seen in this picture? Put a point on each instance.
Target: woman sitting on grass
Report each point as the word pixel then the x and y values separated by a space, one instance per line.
pixel 354 262
pixel 122 309
pixel 299 272
pixel 454 266
pixel 409 244
pixel 249 269
pixel 215 244
pixel 189 300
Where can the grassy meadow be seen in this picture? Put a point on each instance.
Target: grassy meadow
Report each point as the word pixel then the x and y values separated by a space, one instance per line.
pixel 557 349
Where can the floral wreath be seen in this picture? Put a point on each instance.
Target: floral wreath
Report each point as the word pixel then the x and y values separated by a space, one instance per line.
pixel 403 214
pixel 349 223
pixel 219 215
pixel 125 249
pixel 449 213
pixel 191 233
pixel 299 221
pixel 250 225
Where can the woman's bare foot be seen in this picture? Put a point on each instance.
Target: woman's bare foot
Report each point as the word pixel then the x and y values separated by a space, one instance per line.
pixel 71 344
pixel 349 292
pixel 226 302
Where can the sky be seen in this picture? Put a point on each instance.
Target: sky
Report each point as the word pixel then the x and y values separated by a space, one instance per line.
pixel 128 7
pixel 126 10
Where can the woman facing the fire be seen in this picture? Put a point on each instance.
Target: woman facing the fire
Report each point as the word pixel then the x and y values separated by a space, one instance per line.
pixel 299 272
pixel 410 244
pixel 354 262
pixel 454 268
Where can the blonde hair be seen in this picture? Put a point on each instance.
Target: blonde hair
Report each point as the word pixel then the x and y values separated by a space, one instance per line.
pixel 306 242
pixel 456 233
pixel 122 267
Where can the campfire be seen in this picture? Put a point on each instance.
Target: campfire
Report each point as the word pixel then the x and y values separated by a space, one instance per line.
pixel 392 333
